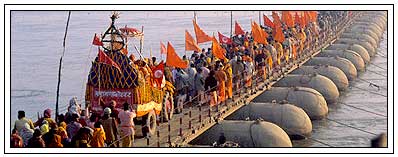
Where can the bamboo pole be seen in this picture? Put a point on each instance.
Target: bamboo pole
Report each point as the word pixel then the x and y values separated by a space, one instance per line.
pixel 60 67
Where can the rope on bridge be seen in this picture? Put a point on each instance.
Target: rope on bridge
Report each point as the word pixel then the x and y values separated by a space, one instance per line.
pixel 371 84
pixel 376 73
pixel 382 115
pixel 377 66
pixel 362 130
pixel 375 93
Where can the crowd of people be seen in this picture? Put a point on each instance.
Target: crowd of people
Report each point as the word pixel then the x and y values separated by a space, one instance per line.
pixel 207 79
pixel 75 128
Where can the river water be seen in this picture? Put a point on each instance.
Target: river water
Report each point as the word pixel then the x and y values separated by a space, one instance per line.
pixel 36 46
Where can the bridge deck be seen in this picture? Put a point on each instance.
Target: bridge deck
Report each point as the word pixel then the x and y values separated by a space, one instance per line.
pixel 174 139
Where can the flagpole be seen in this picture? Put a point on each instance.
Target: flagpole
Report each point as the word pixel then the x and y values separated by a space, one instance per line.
pixel 231 26
pixel 259 18
pixel 85 68
pixel 141 40
pixel 195 16
pixel 99 79
pixel 150 52
pixel 60 67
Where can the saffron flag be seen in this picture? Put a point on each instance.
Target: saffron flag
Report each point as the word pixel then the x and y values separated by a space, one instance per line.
pixel 224 39
pixel 268 22
pixel 258 34
pixel 313 16
pixel 279 36
pixel 103 58
pixel 238 29
pixel 276 18
pixel 97 41
pixel 173 60
pixel 296 18
pixel 162 48
pixel 158 73
pixel 190 44
pixel 307 17
pixel 201 36
pixel 287 19
pixel 217 50
pixel 131 32
pixel 303 20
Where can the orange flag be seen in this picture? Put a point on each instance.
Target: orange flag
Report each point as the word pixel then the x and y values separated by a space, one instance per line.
pixel 307 17
pixel 276 18
pixel 296 18
pixel 162 48
pixel 201 36
pixel 268 22
pixel 258 34
pixel 303 21
pixel 287 18
pixel 238 29
pixel 279 36
pixel 284 17
pixel 217 50
pixel 313 15
pixel 190 44
pixel 173 59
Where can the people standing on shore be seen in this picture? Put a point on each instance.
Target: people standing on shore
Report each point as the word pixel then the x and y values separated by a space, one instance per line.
pixel 36 141
pixel 74 126
pixel 16 140
pixel 22 120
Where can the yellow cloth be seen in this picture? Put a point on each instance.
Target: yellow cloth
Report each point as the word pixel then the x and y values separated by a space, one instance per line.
pixel 221 78
pixel 20 123
pixel 98 138
pixel 228 83
pixel 279 50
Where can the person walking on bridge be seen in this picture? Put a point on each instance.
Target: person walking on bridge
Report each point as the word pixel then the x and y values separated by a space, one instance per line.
pixel 210 86
pixel 221 78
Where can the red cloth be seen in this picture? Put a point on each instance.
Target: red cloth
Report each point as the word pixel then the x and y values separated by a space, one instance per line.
pixel 238 29
pixel 268 22
pixel 276 18
pixel 158 73
pixel 224 39
pixel 103 58
pixel 97 41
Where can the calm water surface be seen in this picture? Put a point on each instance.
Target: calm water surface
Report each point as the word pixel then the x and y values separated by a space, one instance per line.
pixel 37 46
